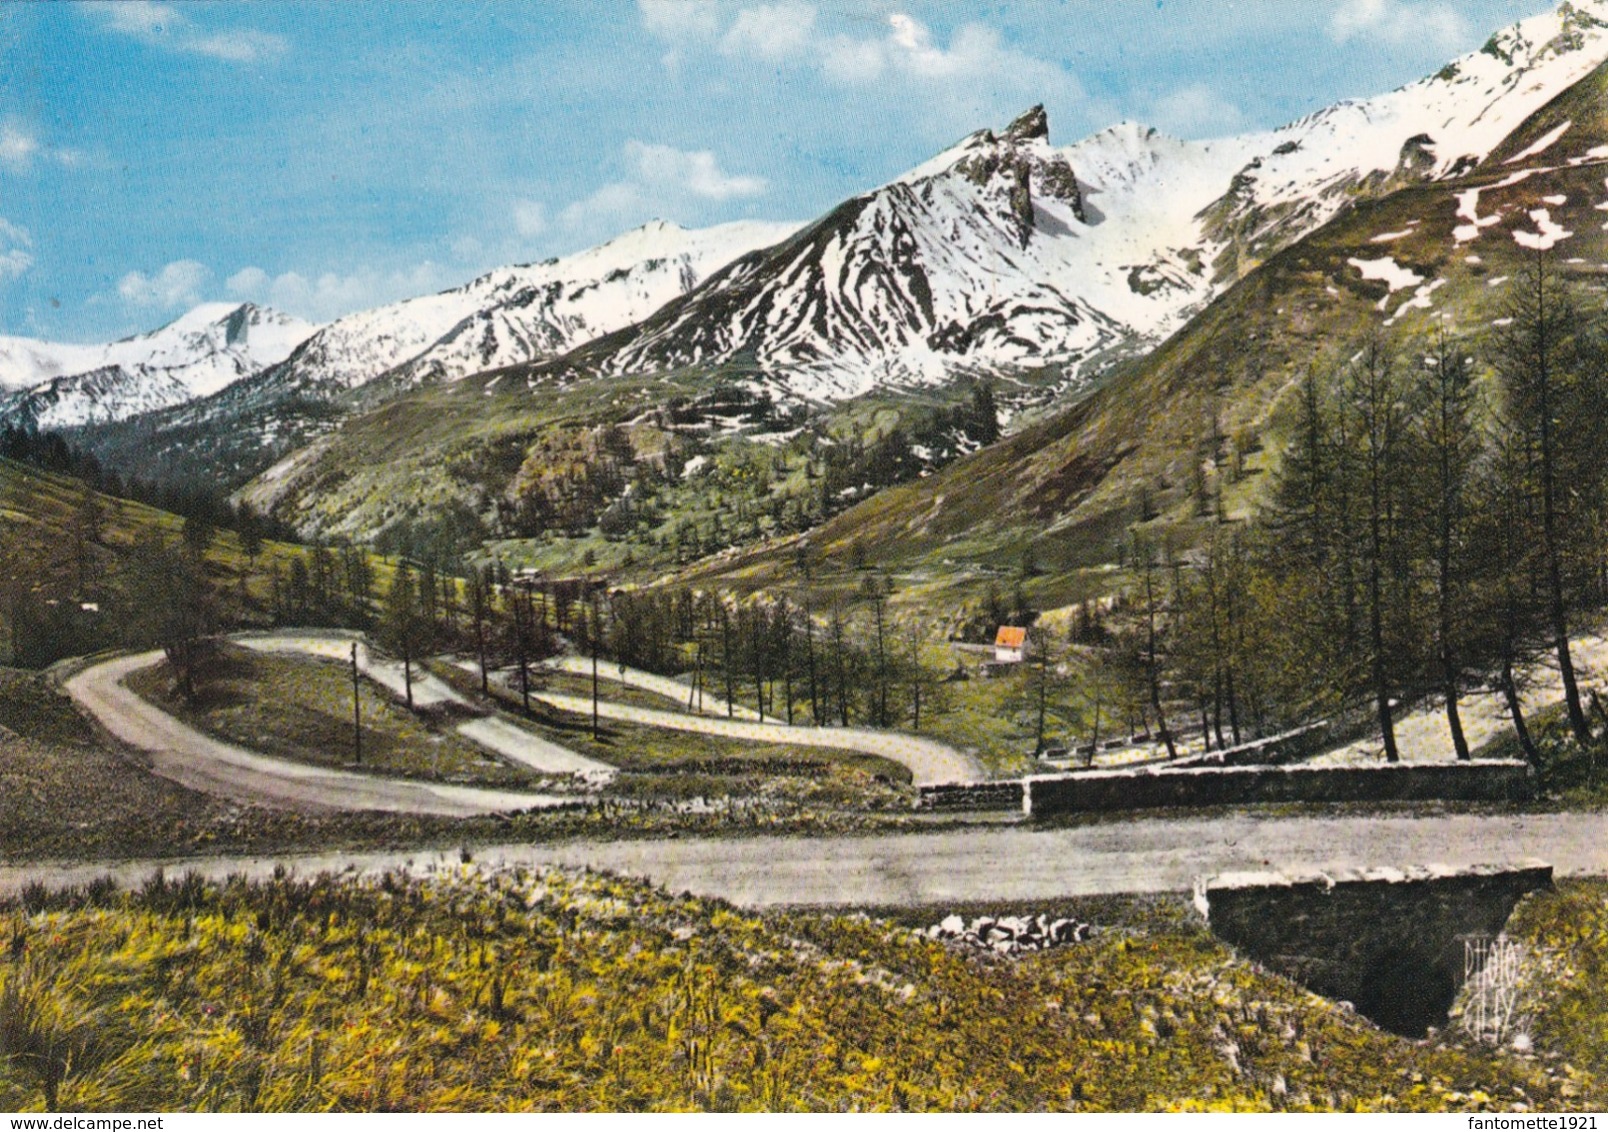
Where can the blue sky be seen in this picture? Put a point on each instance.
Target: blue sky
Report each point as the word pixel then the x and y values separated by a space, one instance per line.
pixel 323 157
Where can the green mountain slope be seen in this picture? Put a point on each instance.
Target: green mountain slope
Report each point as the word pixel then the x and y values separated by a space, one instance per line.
pixel 1200 414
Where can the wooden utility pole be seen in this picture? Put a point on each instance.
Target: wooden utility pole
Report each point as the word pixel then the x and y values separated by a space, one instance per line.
pixel 594 633
pixel 522 616
pixel 357 713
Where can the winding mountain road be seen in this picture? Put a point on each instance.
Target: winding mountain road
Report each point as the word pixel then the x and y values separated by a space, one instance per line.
pixel 929 761
pixel 667 686
pixel 968 865
pixel 999 866
pixel 493 733
pixel 202 762
pixel 197 760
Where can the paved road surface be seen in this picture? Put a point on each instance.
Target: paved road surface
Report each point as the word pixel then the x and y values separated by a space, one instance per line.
pixel 515 743
pixel 201 762
pixel 495 734
pixel 666 686
pixel 427 689
pixel 930 762
pixel 981 865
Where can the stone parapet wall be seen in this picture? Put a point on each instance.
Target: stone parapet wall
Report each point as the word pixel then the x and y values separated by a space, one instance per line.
pixel 973 796
pixel 1495 780
pixel 1272 751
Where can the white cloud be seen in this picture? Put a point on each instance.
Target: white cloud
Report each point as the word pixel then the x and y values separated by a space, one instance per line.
pixel 661 181
pixel 696 171
pixel 975 53
pixel 530 217
pixel 1197 111
pixel 178 284
pixel 680 19
pixel 249 283
pixel 681 24
pixel 15 258
pixel 18 147
pixel 771 31
pixel 609 204
pixel 976 64
pixel 1398 22
pixel 328 296
pixel 163 25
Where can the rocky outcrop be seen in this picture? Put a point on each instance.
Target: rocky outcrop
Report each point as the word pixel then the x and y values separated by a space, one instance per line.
pixel 1029 124
pixel 1010 935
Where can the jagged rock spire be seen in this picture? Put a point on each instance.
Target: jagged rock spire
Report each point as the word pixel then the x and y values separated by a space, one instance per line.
pixel 1030 124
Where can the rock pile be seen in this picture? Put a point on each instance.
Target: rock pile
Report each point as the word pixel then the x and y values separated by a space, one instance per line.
pixel 1008 935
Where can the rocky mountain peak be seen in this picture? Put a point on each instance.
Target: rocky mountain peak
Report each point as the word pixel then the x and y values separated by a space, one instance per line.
pixel 1020 167
pixel 1030 124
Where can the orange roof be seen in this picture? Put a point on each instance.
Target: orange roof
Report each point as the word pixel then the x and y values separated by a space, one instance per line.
pixel 1010 637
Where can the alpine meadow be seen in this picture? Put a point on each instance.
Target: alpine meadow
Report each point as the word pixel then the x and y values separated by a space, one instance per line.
pixel 589 557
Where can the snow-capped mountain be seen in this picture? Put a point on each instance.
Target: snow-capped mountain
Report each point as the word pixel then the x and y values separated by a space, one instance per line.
pixel 57 385
pixel 1002 255
pixel 517 314
pixel 1301 175
pixel 507 316
pixel 1005 252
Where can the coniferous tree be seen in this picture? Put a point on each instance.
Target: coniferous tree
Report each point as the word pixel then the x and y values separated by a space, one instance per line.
pixel 1553 385
pixel 250 531
pixel 1450 440
pixel 401 623
pixel 1373 400
pixel 171 605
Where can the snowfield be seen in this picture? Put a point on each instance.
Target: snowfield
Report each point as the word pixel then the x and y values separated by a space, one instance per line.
pixel 201 352
pixel 1002 253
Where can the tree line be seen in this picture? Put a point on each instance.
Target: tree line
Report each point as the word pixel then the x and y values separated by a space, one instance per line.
pixel 51 452
pixel 1439 526
pixel 843 665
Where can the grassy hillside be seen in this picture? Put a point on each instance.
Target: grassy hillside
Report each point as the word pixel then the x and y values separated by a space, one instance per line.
pixel 1200 416
pixel 64 549
pixel 553 990
pixel 615 473
pixel 72 793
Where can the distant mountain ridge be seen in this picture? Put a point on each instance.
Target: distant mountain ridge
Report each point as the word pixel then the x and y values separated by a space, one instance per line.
pixel 517 314
pixel 55 385
pixel 511 314
pixel 1005 253
pixel 1191 432
pixel 1003 257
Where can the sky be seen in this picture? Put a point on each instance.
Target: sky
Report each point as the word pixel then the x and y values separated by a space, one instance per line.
pixel 326 157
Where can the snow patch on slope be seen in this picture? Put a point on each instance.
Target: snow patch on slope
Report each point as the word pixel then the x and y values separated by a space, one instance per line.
pixel 205 350
pixel 523 313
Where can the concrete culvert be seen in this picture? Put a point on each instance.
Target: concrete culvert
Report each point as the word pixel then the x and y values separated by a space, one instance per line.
pixel 1392 942
pixel 1406 991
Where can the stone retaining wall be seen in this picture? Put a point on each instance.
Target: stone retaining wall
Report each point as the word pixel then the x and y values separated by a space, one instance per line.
pixel 973 796
pixel 1495 780
pixel 1272 751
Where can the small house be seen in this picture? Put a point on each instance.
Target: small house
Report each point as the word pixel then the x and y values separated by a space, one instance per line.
pixel 1010 645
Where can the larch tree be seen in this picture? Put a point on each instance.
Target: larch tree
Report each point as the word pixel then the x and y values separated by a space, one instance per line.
pixel 401 623
pixel 1449 439
pixel 1548 378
